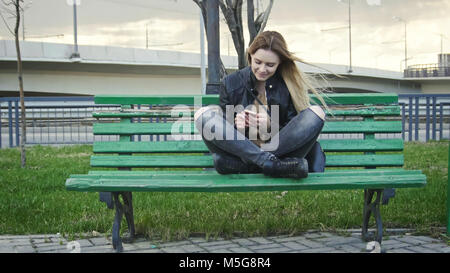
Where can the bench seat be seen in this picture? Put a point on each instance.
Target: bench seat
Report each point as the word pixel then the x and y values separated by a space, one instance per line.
pixel 211 181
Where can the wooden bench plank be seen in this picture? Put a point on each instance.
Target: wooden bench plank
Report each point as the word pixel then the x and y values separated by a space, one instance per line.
pixel 197 161
pixel 242 183
pixel 359 111
pixel 189 128
pixel 211 172
pixel 332 99
pixel 195 146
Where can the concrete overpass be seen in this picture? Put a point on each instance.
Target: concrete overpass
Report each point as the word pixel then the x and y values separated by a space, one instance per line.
pixel 48 70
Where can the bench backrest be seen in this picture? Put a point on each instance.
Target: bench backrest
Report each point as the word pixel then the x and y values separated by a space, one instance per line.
pixel 365 114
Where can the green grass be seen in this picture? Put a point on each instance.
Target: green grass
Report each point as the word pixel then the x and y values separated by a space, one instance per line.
pixel 34 201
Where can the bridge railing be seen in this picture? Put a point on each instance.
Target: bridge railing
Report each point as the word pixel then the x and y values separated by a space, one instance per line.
pixel 68 120
pixel 426 71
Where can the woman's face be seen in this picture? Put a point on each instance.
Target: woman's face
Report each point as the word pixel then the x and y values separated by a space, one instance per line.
pixel 264 64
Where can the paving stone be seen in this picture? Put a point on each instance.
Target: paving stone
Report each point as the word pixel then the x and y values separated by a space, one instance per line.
pixel 341 240
pixel 434 245
pixel 287 239
pixel 265 246
pixel 240 250
pixel 309 243
pixel 213 243
pixel 47 247
pixel 350 248
pixel 221 250
pixel 7 249
pixel 393 246
pixel 313 235
pixel 400 250
pixel 243 242
pixel 222 246
pixel 294 245
pixel 99 241
pixel 260 240
pixel 389 242
pixel 192 249
pixel 317 250
pixel 98 249
pixel 410 240
pixel 312 242
pixel 24 249
pixel 445 250
pixel 361 245
pixel 173 244
pixel 273 250
pixel 172 250
pixel 9 240
pixel 145 245
pixel 426 239
pixel 420 249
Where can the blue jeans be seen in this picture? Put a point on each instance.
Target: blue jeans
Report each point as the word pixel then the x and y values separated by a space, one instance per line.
pixel 295 139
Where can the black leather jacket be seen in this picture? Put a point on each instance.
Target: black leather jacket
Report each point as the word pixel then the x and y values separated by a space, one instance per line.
pixel 239 89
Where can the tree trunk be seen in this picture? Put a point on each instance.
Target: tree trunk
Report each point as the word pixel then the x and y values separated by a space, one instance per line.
pixel 202 6
pixel 232 11
pixel 20 74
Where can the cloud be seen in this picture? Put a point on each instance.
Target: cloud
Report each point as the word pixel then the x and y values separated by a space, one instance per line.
pixel 122 22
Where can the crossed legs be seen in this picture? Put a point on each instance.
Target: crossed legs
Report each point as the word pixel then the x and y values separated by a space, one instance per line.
pixel 294 140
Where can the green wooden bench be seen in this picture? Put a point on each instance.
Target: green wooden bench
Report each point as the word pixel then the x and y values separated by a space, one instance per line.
pixel 371 164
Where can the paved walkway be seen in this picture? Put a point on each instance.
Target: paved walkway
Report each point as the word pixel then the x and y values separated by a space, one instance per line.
pixel 349 241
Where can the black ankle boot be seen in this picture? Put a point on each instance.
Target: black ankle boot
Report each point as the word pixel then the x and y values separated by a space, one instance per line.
pixel 286 167
pixel 229 165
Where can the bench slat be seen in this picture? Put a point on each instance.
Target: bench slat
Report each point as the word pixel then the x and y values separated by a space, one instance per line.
pixel 189 128
pixel 242 183
pixel 212 172
pixel 200 161
pixel 194 146
pixel 361 111
pixel 366 98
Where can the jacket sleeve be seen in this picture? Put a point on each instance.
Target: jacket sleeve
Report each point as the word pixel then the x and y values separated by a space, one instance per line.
pixel 291 111
pixel 224 98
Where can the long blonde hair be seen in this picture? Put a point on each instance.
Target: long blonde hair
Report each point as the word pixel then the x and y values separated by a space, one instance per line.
pixel 297 82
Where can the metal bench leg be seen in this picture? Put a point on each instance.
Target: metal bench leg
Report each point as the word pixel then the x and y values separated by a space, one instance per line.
pixel 117 242
pixel 128 210
pixel 372 208
pixel 121 209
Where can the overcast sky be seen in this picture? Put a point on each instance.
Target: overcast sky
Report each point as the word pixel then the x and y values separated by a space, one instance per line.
pixel 377 39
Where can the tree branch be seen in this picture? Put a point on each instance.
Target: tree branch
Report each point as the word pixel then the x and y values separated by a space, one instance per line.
pixel 265 17
pixel 251 20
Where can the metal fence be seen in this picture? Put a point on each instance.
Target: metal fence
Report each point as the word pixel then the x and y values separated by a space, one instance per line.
pixel 68 120
pixel 426 70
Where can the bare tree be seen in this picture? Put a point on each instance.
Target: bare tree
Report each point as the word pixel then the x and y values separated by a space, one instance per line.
pixel 232 11
pixel 14 8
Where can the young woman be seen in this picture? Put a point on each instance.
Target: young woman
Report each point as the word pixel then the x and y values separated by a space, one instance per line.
pixel 265 122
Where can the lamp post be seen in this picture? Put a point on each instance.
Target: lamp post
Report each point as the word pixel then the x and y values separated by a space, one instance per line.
pixel 213 31
pixel 75 55
pixel 396 18
pixel 202 54
pixel 350 70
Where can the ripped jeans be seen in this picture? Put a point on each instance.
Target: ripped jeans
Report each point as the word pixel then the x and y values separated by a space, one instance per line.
pixel 294 140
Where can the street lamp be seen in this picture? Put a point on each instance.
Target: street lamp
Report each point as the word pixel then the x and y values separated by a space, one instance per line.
pixel 396 18
pixel 349 31
pixel 75 55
